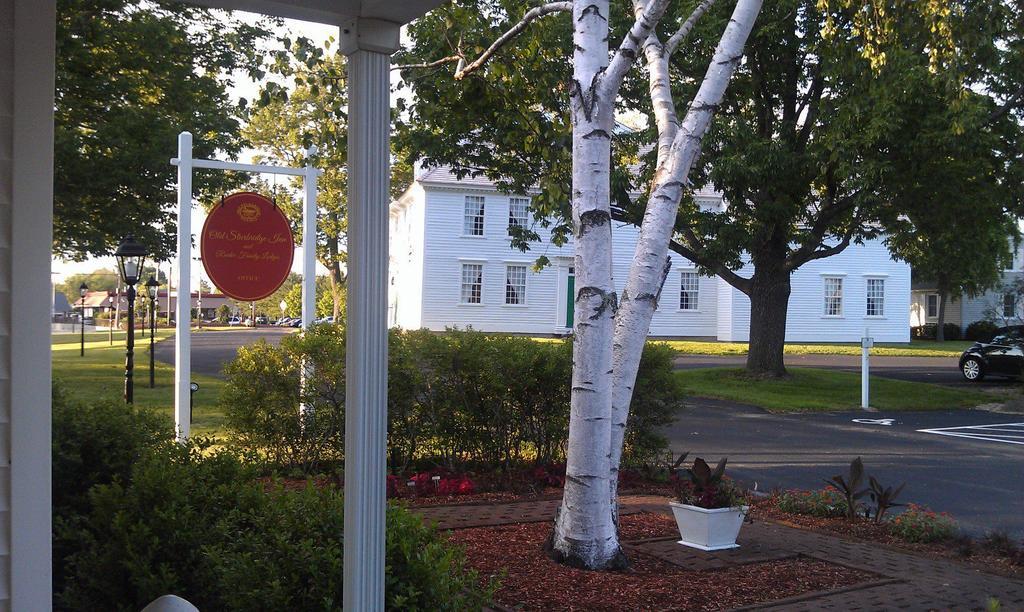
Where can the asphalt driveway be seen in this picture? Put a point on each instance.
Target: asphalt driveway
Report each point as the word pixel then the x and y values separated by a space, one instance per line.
pixel 212 349
pixel 971 464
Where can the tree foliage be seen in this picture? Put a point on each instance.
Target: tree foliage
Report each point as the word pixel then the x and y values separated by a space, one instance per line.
pixel 129 77
pixel 804 147
pixel 312 111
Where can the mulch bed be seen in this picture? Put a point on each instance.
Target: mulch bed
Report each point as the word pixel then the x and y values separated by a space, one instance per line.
pixel 532 581
pixel 971 554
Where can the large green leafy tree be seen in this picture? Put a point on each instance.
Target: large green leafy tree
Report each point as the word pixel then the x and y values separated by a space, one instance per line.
pixel 801 147
pixel 131 76
pixel 959 205
pixel 312 110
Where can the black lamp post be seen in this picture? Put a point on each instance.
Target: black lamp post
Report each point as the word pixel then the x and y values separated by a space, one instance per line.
pixel 82 290
pixel 130 257
pixel 151 289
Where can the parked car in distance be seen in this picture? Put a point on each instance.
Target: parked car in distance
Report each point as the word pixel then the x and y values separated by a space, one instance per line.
pixel 1003 355
pixel 233 321
pixel 261 320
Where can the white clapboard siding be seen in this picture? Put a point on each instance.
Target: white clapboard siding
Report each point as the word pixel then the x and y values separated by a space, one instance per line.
pixel 429 250
pixel 806 320
pixel 406 260
pixel 6 199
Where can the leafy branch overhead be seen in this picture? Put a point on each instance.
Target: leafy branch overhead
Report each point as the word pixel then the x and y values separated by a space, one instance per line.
pixel 129 78
pixel 312 110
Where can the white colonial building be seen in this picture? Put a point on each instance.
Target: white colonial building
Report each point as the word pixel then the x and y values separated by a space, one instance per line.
pixel 1000 304
pixel 451 265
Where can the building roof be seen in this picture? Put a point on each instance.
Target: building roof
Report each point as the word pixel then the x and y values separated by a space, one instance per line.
pixel 60 302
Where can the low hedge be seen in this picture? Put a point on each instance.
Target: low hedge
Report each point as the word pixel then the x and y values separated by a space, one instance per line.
pixel 454 399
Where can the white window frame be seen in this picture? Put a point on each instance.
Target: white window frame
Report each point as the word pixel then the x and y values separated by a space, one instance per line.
pixel 463 283
pixel 514 219
pixel 1013 305
pixel 474 218
pixel 928 306
pixel 521 288
pixel 826 280
pixel 880 314
pixel 684 276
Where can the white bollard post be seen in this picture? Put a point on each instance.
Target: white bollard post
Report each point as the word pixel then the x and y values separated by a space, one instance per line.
pixel 182 324
pixel 865 387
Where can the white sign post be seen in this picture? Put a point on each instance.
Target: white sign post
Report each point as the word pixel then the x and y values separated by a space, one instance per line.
pixel 865 387
pixel 182 325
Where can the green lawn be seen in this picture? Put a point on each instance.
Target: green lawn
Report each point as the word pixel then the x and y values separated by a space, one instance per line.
pixel 810 389
pixel 916 348
pixel 100 374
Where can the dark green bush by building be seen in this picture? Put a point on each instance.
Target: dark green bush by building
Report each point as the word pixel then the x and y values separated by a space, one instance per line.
pixel 980 331
pixel 145 516
pixel 457 399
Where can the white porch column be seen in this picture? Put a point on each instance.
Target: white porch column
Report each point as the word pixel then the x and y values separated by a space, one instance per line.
pixel 368 43
pixel 26 198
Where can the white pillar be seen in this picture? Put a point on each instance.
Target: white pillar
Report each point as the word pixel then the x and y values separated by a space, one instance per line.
pixel 183 316
pixel 368 43
pixel 26 197
pixel 309 241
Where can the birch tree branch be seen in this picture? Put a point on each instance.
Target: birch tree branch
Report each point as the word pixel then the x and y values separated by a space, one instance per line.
pixel 684 30
pixel 531 15
pixel 646 18
pixel 433 64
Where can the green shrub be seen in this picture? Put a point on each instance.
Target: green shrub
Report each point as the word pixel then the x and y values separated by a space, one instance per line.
pixel 980 331
pixel 195 523
pixel 93 443
pixel 824 503
pixel 919 524
pixel 657 398
pixel 97 442
pixel 263 392
pixel 458 398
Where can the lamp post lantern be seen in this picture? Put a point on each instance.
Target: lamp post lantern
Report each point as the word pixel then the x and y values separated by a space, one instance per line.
pixel 130 257
pixel 82 290
pixel 152 286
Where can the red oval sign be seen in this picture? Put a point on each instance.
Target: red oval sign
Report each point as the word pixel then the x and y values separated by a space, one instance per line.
pixel 247 246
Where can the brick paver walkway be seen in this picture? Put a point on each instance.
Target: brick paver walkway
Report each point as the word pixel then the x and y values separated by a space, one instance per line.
pixel 905 581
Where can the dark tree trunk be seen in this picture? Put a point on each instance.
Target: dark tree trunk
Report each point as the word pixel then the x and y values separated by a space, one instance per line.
pixel 337 279
pixel 940 335
pixel 336 284
pixel 769 302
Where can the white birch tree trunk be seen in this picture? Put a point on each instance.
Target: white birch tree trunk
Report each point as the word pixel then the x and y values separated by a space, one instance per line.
pixel 651 261
pixel 584 533
pixel 609 340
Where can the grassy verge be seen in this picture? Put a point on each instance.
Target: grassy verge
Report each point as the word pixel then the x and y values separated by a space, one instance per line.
pixel 100 375
pixel 916 348
pixel 814 390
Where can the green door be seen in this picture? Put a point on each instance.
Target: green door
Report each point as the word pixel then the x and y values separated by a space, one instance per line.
pixel 570 297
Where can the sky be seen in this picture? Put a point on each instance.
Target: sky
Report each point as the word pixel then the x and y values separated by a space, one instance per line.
pixel 243 88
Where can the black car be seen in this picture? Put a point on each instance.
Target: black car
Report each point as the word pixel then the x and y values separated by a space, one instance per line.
pixel 1001 356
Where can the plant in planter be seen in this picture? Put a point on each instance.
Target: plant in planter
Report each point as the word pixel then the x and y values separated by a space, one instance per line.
pixel 709 508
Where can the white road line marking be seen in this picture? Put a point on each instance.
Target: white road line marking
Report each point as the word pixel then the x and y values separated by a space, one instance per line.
pixel 989 433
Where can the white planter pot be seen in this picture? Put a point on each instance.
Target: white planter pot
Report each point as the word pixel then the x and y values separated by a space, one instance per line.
pixel 709 529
